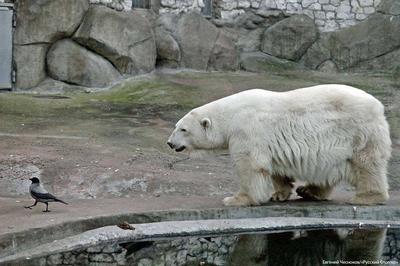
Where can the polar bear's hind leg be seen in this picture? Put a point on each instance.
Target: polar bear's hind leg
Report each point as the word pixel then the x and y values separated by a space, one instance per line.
pixel 314 192
pixel 369 170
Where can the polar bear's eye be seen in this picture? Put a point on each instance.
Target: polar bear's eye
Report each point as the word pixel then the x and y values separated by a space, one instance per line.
pixel 183 130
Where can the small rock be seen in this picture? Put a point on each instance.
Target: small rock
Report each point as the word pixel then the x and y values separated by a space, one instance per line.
pixel 55 259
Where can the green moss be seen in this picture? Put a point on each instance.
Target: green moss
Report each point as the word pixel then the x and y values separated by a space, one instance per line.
pixel 151 92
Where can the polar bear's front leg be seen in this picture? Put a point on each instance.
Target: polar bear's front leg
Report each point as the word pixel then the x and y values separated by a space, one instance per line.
pixel 255 185
pixel 283 188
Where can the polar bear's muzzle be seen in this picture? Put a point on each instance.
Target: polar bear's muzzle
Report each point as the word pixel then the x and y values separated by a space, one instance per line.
pixel 181 148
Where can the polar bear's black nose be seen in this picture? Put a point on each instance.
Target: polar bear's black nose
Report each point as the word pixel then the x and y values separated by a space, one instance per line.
pixel 171 145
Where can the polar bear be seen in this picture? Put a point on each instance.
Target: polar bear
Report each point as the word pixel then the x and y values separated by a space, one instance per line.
pixel 321 135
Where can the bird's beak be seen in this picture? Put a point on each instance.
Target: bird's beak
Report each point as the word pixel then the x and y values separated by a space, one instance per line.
pixel 30 179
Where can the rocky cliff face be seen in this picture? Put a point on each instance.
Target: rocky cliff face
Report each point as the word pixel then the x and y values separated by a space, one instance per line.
pixel 263 36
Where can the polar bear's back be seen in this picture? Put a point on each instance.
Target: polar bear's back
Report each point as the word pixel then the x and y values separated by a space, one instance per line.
pixel 330 97
pixel 339 97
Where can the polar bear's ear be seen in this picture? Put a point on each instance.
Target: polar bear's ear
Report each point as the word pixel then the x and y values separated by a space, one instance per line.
pixel 205 123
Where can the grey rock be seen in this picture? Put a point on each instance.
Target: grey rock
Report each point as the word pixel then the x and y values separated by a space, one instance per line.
pixel 250 41
pixel 248 20
pixel 94 249
pixel 55 259
pixel 181 257
pixel 114 248
pixel 72 63
pixel 260 62
pixel 328 66
pixel 30 63
pixel 213 247
pixel 167 47
pixel 317 53
pixel 388 62
pixel 224 55
pixel 124 38
pixel 101 257
pixel 168 21
pixel 170 258
pixel 390 7
pixel 196 37
pixel 45 21
pixel 69 258
pixel 219 261
pixel 375 36
pixel 52 86
pixel 145 262
pixel 290 38
pixel 82 259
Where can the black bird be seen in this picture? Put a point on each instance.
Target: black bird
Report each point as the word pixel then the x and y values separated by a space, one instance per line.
pixel 41 195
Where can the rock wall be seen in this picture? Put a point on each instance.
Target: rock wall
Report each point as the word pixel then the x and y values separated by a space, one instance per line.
pixel 328 15
pixel 184 251
pixel 97 43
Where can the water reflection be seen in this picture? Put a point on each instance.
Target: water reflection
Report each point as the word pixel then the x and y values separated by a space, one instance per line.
pixel 308 248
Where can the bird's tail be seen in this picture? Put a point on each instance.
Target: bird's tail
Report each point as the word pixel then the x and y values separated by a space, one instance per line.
pixel 58 200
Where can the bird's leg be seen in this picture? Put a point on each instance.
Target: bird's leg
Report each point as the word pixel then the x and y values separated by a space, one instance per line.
pixel 47 207
pixel 30 207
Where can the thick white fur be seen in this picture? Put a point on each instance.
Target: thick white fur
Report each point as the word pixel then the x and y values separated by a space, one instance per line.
pixel 322 135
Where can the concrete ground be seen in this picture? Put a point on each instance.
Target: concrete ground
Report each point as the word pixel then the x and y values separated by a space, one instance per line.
pixel 105 152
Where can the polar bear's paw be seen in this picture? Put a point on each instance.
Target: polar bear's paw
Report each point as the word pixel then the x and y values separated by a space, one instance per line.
pixel 280 196
pixel 309 193
pixel 238 200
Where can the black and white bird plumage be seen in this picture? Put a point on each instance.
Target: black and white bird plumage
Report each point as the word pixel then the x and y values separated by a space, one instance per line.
pixel 40 194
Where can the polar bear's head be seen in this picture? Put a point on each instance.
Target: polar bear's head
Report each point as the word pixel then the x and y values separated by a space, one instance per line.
pixel 195 131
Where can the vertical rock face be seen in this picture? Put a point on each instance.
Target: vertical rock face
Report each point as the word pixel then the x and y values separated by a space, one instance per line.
pixel 389 7
pixel 290 38
pixel 376 36
pixel 317 53
pixel 196 37
pixel 72 63
pixel 30 64
pixel 224 55
pixel 46 21
pixel 168 52
pixel 124 38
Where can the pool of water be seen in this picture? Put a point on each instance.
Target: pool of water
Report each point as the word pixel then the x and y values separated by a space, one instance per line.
pixel 339 246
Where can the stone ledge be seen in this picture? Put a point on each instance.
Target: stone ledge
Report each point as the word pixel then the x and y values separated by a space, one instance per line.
pixel 172 229
pixel 87 215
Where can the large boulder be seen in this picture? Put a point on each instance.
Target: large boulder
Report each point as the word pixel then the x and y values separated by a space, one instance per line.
pixel 197 37
pixel 389 7
pixel 250 41
pixel 317 53
pixel 124 38
pixel 387 62
pixel 224 55
pixel 67 61
pixel 30 64
pixel 375 36
pixel 290 38
pixel 44 21
pixel 168 52
pixel 168 21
